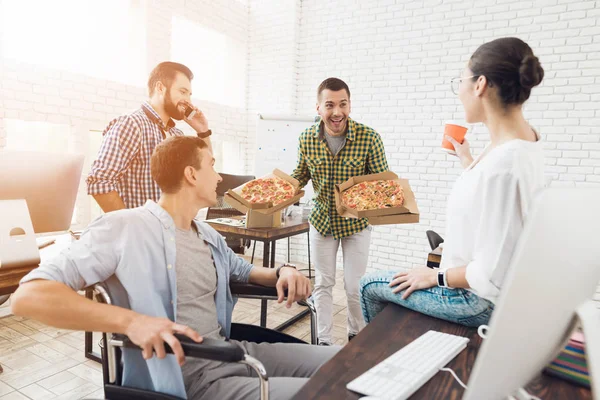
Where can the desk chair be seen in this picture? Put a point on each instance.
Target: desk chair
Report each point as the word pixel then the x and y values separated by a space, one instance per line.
pixel 224 210
pixel 112 292
pixel 434 239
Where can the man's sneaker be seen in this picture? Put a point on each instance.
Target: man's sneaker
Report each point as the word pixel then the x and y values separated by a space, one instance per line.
pixel 324 343
pixel 351 336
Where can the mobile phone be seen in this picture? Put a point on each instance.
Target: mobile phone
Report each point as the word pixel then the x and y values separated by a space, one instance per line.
pixel 188 111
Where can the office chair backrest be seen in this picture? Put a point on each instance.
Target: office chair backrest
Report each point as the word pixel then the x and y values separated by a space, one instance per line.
pixel 434 239
pixel 222 209
pixel 231 182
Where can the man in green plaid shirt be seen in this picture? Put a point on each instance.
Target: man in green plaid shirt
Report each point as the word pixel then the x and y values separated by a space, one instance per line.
pixel 330 152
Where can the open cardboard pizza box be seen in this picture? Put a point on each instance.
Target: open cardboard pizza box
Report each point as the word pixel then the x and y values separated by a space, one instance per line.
pixel 255 219
pixel 407 214
pixel 234 198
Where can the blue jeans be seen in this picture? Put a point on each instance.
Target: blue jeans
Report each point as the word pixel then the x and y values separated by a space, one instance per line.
pixel 455 305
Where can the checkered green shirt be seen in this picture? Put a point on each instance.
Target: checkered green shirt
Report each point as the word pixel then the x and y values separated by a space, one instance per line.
pixel 362 154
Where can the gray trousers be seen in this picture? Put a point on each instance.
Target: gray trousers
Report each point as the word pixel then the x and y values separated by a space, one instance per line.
pixel 289 366
pixel 324 249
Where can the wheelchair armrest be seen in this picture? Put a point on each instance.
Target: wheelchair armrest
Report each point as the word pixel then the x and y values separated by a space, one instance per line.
pixel 250 289
pixel 210 349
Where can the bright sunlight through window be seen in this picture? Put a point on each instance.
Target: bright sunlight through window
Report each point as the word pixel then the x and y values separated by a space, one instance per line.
pixel 217 61
pixel 102 39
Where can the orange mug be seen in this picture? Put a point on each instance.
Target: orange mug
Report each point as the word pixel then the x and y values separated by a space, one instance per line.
pixel 455 130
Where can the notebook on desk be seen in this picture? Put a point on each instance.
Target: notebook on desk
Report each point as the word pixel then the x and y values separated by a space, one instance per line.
pixel 240 223
pixel 18 245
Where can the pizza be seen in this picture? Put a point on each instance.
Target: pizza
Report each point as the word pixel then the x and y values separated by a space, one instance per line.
pixel 373 195
pixel 268 190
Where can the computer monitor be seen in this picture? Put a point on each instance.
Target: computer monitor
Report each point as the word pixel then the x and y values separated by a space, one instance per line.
pixel 47 181
pixel 554 272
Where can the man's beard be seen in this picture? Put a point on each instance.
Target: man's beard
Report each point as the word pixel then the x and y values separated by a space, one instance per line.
pixel 171 108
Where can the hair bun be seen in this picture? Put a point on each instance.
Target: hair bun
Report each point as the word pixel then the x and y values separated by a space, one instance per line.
pixel 531 72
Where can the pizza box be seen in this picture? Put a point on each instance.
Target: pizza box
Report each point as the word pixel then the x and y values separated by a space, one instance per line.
pixel 234 198
pixel 253 218
pixel 407 214
pixel 258 220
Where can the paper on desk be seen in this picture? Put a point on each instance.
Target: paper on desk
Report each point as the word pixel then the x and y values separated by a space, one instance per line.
pixel 228 221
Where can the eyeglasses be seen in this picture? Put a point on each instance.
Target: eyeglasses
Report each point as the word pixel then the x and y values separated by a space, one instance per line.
pixel 455 82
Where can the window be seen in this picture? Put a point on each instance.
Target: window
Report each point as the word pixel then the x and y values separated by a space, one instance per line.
pixel 102 39
pixel 38 136
pixel 217 61
pixel 228 157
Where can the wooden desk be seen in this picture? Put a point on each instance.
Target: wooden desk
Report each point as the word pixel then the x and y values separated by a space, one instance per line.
pixel 291 226
pixel 394 328
pixel 10 278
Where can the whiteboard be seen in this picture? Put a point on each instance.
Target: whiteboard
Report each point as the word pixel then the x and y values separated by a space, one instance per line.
pixel 277 145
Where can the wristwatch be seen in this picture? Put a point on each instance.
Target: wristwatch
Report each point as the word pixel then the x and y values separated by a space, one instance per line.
pixel 282 266
pixel 442 279
pixel 204 135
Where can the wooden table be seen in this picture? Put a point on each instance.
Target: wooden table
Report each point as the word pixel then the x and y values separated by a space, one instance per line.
pixel 394 328
pixel 291 226
pixel 10 278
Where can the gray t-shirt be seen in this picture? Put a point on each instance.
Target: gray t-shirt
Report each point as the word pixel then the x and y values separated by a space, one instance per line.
pixel 196 287
pixel 335 143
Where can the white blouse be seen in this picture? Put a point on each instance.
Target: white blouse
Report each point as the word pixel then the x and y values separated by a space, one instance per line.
pixel 486 211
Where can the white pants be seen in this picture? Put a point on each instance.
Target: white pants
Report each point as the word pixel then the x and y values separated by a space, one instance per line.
pixel 355 250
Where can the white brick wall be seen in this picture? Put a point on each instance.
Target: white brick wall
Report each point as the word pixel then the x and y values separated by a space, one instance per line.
pixel 272 62
pixel 398 58
pixel 34 93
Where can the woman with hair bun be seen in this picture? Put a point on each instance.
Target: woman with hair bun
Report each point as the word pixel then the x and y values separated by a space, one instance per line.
pixel 489 202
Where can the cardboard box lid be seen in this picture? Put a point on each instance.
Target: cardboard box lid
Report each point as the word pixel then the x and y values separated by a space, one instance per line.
pixel 409 207
pixel 234 203
pixel 234 197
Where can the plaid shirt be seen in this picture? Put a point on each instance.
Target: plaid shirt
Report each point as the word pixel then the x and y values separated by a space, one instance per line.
pixel 362 154
pixel 123 162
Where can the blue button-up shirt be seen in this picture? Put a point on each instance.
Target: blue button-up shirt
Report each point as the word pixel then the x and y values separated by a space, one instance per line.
pixel 138 247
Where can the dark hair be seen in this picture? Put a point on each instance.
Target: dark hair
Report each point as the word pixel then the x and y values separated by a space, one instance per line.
pixel 509 65
pixel 334 84
pixel 171 157
pixel 165 72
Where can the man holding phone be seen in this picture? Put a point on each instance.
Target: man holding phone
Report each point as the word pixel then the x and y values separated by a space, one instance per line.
pixel 120 176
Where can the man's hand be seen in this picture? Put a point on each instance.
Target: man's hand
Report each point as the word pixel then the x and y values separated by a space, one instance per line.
pixel 463 151
pixel 198 122
pixel 297 285
pixel 415 279
pixel 150 333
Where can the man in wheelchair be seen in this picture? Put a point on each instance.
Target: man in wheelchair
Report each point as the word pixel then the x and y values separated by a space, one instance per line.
pixel 176 271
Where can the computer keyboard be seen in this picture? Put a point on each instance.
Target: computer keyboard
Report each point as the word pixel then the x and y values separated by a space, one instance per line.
pixel 404 372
